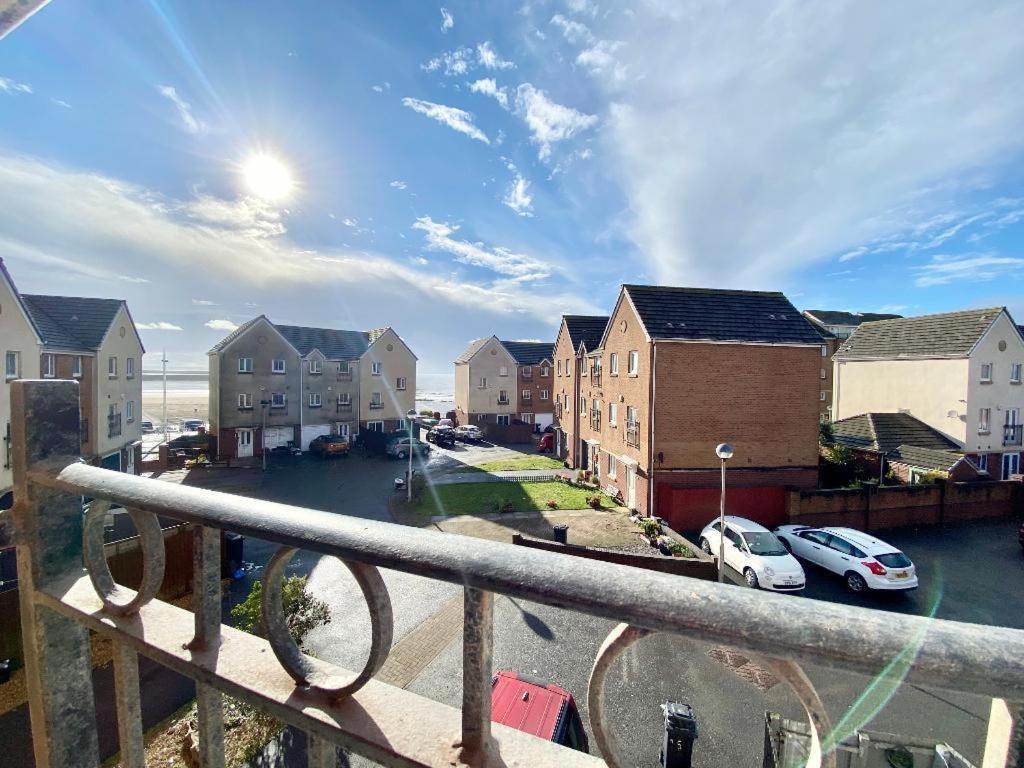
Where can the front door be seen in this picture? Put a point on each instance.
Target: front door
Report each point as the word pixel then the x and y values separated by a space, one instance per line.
pixel 130 465
pixel 244 437
pixel 631 487
pixel 584 456
pixel 1011 465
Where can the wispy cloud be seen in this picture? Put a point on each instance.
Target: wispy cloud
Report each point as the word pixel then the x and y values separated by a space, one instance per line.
pixel 203 303
pixel 159 325
pixel 582 6
pixel 247 216
pixel 489 87
pixel 573 31
pixel 970 267
pixel 447 20
pixel 456 119
pixel 398 184
pixel 516 266
pixel 221 325
pixel 382 87
pixel 489 58
pixel 855 253
pixel 60 103
pixel 189 122
pixel 463 59
pixel 518 198
pixel 548 121
pixel 12 86
pixel 600 60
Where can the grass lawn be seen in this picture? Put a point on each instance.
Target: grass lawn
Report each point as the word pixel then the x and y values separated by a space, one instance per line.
pixel 517 463
pixel 487 498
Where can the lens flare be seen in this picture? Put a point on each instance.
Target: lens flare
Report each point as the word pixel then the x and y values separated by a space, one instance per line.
pixel 267 177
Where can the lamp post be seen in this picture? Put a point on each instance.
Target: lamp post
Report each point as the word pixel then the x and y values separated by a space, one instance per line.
pixel 263 432
pixel 724 452
pixel 410 415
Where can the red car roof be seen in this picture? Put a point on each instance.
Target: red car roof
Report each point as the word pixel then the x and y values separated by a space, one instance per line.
pixel 527 706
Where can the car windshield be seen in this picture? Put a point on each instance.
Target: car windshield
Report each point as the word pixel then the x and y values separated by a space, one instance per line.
pixel 894 560
pixel 764 543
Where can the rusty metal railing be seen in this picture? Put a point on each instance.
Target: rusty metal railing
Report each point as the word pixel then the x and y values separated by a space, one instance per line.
pixel 67 589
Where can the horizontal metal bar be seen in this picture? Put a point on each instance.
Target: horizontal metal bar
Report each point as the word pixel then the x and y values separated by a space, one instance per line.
pixel 386 724
pixel 958 656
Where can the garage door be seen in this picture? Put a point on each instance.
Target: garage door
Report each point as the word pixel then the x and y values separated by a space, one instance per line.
pixel 690 509
pixel 278 436
pixel 313 431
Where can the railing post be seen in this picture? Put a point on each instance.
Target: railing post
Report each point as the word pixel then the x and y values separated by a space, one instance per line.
pixel 477 642
pixel 48 531
pixel 207 609
pixel 1004 746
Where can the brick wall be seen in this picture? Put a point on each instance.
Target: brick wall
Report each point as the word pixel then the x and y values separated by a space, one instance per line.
pixel 535 384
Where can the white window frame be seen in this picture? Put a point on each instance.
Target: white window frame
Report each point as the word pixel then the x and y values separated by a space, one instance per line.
pixel 526 417
pixel 376 368
pixel 503 396
pixel 558 367
pixel 282 368
pixel 278 400
pixel 631 410
pixel 984 421
pixel 376 398
pixel 503 419
pixel 76 367
pixel 49 365
pixel 543 394
pixel 823 393
pixel 315 400
pixel 545 371
pixel 400 383
pixel 1015 372
pixel 583 405
pixel 12 371
pixel 503 370
pixel 112 367
pixel 613 414
pixel 613 465
pixel 245 365
pixel 245 400
pixel 568 368
pixel 344 398
pixel 375 426
pixel 129 411
pixel 129 367
pixel 613 364
pixel 987 370
pixel 315 367
pixel 527 371
pixel 528 394
pixel 983 462
pixel 633 364
pixel 483 383
pixel 822 374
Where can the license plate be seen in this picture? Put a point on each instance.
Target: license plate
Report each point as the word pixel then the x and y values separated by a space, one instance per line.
pixel 902 574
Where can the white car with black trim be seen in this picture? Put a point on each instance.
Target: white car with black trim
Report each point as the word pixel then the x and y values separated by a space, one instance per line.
pixel 862 560
pixel 755 552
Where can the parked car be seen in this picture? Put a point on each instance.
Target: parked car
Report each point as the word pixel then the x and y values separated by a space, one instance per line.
pixel 147 427
pixel 192 425
pixel 546 444
pixel 755 552
pixel 469 433
pixel 446 423
pixel 862 560
pixel 540 709
pixel 326 446
pixel 443 436
pixel 400 448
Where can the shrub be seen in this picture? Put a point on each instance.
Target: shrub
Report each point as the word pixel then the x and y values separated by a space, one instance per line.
pixel 426 412
pixel 302 611
pixel 551 504
pixel 594 502
pixel 508 507
pixel 650 526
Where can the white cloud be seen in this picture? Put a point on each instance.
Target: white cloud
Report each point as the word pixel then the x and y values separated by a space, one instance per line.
pixel 970 267
pixel 573 31
pixel 457 62
pixel 60 103
pixel 518 198
pixel 203 303
pixel 11 86
pixel 398 184
pixel 382 87
pixel 221 325
pixel 582 6
pixel 756 138
pixel 489 87
pixel 447 21
pixel 190 123
pixel 548 121
pixel 489 58
pixel 159 325
pixel 515 266
pixel 456 119
pixel 600 60
pixel 851 255
pixel 248 216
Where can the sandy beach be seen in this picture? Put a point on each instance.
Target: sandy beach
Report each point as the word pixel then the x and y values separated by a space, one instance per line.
pixel 180 405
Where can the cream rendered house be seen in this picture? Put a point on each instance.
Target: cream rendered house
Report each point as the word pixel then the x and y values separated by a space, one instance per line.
pixel 485 384
pixel 387 382
pixel 958 372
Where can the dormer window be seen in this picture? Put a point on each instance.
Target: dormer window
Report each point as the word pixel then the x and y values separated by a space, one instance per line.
pixel 315 367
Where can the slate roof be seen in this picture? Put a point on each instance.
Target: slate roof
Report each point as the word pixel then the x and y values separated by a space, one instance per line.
pixel 587 330
pixel 924 458
pixel 69 322
pixel 472 349
pixel 952 334
pixel 529 352
pixel 834 317
pixel 236 333
pixel 706 314
pixel 886 432
pixel 334 344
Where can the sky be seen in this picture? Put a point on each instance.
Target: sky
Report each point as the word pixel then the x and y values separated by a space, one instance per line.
pixel 484 167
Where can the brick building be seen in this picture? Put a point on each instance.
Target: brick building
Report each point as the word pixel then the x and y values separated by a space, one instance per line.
pixel 535 381
pixel 499 383
pixel 577 335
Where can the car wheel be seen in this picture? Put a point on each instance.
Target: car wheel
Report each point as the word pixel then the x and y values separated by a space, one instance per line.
pixel 855 582
pixel 706 546
pixel 402 455
pixel 750 577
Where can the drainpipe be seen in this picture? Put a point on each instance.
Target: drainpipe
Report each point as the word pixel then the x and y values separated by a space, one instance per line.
pixel 650 439
pixel 301 395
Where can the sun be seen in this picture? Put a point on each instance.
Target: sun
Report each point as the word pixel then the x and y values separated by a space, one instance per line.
pixel 267 177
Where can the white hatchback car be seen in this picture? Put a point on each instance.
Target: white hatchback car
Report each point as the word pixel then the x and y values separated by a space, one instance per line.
pixel 862 560
pixel 755 552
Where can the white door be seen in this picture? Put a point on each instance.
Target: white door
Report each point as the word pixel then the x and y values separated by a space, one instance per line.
pixel 312 431
pixel 343 429
pixel 130 466
pixel 1011 465
pixel 274 437
pixel 244 437
pixel 631 487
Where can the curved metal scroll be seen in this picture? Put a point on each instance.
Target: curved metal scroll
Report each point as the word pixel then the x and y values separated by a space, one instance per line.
pixel 118 599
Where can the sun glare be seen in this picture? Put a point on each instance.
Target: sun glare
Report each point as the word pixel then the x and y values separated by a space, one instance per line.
pixel 267 177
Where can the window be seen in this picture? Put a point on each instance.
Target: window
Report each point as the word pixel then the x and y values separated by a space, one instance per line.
pixel 568 370
pixel 526 418
pixel 584 369
pixel 986 373
pixel 112 368
pixel 613 465
pixel 583 405
pixel 631 414
pixel 129 410
pixel 1015 373
pixel 49 366
pixel 376 367
pixel 543 394
pixel 823 396
pixel 278 400
pixel 244 400
pixel 845 547
pixel 129 367
pixel 545 371
pixel 344 398
pixel 245 365
pixel 824 351
pixel 400 383
pixel 343 368
pixel 633 365
pixel 503 419
pixel 12 365
pixel 503 370
pixel 613 363
pixel 314 400
pixel 823 374
pixel 375 426
pixel 984 420
pixel 315 367
pixel 558 365
pixel 483 382
pixel 613 414
pixel 278 366
pixel 76 366
pixel 503 396
pixel 527 394
pixel 982 462
pixel 376 400
pixel 527 371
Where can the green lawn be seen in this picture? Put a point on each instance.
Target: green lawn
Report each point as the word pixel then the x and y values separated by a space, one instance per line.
pixel 487 498
pixel 514 463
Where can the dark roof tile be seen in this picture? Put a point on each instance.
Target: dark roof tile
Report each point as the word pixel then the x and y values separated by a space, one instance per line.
pixel 951 334
pixel 529 352
pixel 71 322
pixel 885 432
pixel 835 317
pixel 333 344
pixel 472 349
pixel 587 330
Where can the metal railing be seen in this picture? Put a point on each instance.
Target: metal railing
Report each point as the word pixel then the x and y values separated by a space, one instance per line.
pixel 62 601
pixel 595 419
pixel 1012 434
pixel 376 406
pixel 595 375
pixel 340 406
pixel 113 425
pixel 502 401
pixel 633 434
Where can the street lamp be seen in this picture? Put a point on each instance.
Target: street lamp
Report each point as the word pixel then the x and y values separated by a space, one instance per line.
pixel 411 414
pixel 263 431
pixel 724 452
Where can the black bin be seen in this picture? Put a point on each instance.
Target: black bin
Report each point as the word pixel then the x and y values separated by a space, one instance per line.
pixel 680 733
pixel 234 553
pixel 561 532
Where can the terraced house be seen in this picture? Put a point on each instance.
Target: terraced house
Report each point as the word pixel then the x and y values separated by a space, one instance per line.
pixel 577 334
pixel 272 385
pixel 92 341
pixel 679 370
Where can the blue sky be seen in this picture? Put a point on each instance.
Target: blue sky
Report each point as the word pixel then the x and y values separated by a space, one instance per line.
pixel 482 168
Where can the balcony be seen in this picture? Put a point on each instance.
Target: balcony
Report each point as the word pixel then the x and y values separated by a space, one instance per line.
pixel 344 376
pixel 63 601
pixel 376 406
pixel 114 425
pixel 1012 434
pixel 595 419
pixel 633 434
pixel 344 407
pixel 502 401
pixel 595 376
